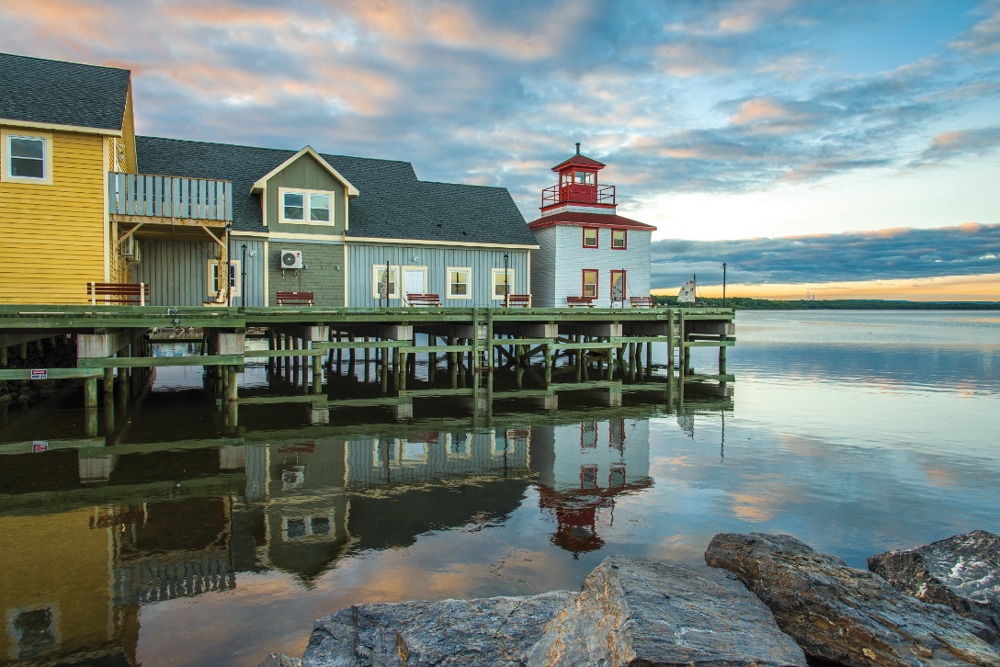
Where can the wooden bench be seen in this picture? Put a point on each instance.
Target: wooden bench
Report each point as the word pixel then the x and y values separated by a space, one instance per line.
pixel 573 301
pixel 519 300
pixel 423 299
pixel 294 298
pixel 118 294
pixel 641 301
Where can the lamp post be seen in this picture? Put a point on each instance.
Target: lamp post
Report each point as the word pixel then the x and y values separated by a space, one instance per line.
pixel 723 284
pixel 229 268
pixel 243 277
pixel 506 281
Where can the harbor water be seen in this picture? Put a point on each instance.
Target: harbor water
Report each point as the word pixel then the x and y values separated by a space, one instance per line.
pixel 172 538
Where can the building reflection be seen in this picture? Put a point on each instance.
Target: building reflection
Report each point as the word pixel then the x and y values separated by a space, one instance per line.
pixel 147 523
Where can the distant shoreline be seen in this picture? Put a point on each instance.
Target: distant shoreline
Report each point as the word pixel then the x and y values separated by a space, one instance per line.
pixel 743 303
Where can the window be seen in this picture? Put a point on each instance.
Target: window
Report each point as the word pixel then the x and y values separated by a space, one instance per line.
pixel 27 158
pixel 618 285
pixel 590 237
pixel 503 283
pixel 618 239
pixel 590 282
pixel 583 177
pixel 458 283
pixel 305 207
pixel 385 286
pixel 319 208
pixel 234 277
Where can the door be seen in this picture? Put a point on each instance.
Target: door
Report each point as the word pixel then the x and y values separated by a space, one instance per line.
pixel 414 281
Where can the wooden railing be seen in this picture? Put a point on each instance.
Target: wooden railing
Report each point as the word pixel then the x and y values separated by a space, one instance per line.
pixel 578 194
pixel 176 197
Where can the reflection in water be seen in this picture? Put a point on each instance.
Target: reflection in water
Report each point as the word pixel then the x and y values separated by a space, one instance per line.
pixel 151 522
pixel 175 538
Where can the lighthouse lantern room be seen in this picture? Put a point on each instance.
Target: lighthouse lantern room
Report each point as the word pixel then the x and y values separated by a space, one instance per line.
pixel 578 184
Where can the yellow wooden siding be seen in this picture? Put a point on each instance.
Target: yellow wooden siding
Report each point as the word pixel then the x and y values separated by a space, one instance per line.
pixel 128 135
pixel 53 235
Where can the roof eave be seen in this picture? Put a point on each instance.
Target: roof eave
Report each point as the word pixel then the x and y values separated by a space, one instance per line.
pixel 57 127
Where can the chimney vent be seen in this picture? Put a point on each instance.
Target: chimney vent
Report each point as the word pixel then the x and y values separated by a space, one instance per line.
pixel 578 148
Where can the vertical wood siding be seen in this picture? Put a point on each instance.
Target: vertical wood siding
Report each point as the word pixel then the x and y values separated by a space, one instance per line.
pixel 177 271
pixel 307 174
pixel 362 256
pixel 52 236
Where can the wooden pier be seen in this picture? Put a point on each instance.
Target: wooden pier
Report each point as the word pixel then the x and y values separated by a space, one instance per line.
pixel 599 345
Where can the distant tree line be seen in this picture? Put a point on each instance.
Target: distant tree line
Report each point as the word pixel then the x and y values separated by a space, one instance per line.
pixel 745 303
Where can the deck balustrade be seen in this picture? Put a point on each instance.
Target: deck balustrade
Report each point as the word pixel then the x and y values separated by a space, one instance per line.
pixel 173 197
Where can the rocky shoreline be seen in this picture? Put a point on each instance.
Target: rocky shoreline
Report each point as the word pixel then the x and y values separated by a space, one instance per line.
pixel 762 600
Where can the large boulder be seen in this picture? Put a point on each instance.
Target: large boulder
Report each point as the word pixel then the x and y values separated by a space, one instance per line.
pixel 961 572
pixel 489 632
pixel 640 612
pixel 844 614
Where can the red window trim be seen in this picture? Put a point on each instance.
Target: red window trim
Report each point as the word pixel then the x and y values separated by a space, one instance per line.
pixel 624 237
pixel 597 238
pixel 597 282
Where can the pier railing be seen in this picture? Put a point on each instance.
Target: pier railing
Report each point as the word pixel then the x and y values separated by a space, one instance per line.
pixel 177 197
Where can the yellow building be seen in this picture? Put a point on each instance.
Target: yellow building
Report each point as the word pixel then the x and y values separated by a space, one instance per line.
pixel 63 128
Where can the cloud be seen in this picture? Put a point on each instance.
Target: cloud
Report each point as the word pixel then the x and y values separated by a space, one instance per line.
pixel 983 39
pixel 682 97
pixel 948 146
pixel 888 254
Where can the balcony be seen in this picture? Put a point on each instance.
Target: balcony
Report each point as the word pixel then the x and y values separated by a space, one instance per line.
pixel 603 195
pixel 171 200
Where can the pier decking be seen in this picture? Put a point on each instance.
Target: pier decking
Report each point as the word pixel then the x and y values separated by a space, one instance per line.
pixel 474 341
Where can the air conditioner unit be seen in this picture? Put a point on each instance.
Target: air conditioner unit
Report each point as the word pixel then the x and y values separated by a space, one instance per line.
pixel 291 259
pixel 130 248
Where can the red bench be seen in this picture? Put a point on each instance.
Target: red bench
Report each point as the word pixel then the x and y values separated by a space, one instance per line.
pixel 423 299
pixel 641 301
pixel 587 301
pixel 294 298
pixel 118 294
pixel 519 300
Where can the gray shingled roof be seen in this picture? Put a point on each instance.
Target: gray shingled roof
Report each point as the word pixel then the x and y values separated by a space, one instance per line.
pixel 392 204
pixel 61 93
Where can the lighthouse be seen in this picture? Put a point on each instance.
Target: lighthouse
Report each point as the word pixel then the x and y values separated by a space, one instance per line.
pixel 588 254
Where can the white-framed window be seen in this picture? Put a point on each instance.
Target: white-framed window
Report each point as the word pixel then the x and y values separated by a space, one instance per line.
pixel 459 282
pixel 503 283
pixel 27 158
pixel 379 284
pixel 234 277
pixel 305 207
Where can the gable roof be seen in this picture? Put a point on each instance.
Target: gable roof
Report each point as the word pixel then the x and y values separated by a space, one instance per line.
pixel 53 92
pixel 260 183
pixel 391 203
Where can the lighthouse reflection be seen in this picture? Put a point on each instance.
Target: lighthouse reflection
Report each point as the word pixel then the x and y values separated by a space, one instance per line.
pixel 582 468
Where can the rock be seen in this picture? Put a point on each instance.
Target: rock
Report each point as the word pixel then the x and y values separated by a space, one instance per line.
pixel 843 614
pixel 279 660
pixel 490 632
pixel 961 572
pixel 640 612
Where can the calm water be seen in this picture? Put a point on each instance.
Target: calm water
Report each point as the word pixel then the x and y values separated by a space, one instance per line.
pixel 174 539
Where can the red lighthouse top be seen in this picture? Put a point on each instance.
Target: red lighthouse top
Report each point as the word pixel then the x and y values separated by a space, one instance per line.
pixel 578 184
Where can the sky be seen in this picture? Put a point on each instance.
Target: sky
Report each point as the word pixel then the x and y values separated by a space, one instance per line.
pixel 834 148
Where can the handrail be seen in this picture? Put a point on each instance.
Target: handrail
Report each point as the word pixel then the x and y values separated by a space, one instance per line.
pixel 578 194
pixel 170 197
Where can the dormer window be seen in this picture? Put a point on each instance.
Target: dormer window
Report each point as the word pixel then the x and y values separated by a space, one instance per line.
pixel 305 207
